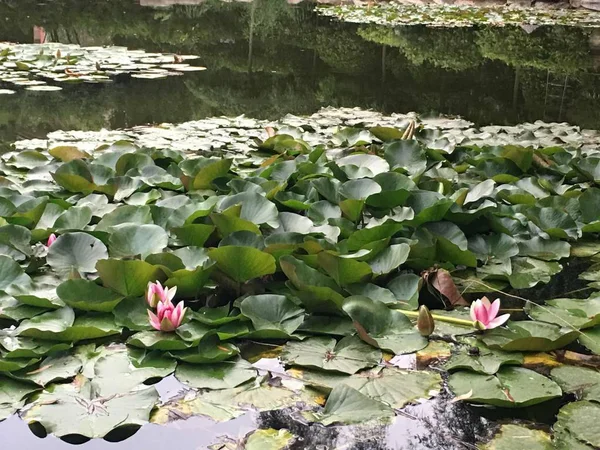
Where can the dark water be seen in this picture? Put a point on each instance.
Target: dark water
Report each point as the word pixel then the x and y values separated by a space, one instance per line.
pixel 267 59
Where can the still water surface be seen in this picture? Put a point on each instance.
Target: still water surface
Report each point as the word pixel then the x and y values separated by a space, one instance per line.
pixel 267 59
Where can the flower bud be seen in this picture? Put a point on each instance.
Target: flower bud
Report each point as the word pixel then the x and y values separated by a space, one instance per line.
pixel 425 322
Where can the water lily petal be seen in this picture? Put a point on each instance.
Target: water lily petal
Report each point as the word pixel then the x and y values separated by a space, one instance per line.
pixel 493 309
pixel 500 320
pixel 51 240
pixel 170 293
pixel 177 315
pixel 154 320
pixel 473 311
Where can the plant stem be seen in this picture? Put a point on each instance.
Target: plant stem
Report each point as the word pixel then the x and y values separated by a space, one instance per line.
pixel 454 320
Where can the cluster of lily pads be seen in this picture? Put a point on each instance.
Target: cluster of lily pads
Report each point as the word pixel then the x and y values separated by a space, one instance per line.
pixel 322 252
pixel 237 136
pixel 448 16
pixel 36 65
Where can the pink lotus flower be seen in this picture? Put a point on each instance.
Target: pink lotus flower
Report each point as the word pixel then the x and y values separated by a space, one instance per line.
pixel 484 314
pixel 168 317
pixel 156 293
pixel 51 240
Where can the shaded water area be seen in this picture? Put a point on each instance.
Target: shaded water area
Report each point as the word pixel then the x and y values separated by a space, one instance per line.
pixel 267 59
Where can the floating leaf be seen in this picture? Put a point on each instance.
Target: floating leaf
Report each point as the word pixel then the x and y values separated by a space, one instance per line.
pixel 88 296
pixel 70 410
pixel 243 263
pixel 512 437
pixel 511 387
pixel 273 316
pixel 76 251
pixel 346 405
pixel 383 328
pixel 128 278
pixel 216 376
pixel 529 336
pixel 347 356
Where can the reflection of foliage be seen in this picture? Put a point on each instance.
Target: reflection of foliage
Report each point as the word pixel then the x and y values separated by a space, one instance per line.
pixel 299 62
pixel 267 17
pixel 346 52
pixel 558 49
pixel 447 48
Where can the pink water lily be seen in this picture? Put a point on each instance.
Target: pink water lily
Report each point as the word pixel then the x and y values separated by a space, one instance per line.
pixel 156 293
pixel 168 317
pixel 484 314
pixel 51 240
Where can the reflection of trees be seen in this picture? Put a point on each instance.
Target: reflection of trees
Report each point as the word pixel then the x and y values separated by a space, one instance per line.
pixel 433 425
pixel 558 49
pixel 268 59
pixel 452 48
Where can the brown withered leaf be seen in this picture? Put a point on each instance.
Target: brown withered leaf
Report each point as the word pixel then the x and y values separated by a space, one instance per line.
pixel 442 283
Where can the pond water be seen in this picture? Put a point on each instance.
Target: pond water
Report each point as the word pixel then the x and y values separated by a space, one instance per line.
pixel 267 59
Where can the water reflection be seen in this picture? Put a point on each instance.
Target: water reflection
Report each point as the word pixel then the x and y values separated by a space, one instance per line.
pixel 267 59
pixel 195 433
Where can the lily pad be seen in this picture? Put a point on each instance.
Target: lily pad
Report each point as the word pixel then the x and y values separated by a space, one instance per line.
pixel 72 410
pixel 511 437
pixel 273 316
pixel 349 355
pixel 216 376
pixel 529 336
pixel 88 296
pixel 76 251
pixel 243 263
pixel 347 405
pixel 382 327
pixel 511 387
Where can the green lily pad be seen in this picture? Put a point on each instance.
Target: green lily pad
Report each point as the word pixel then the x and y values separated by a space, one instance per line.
pixel 579 421
pixel 47 324
pixel 346 405
pixel 511 437
pixel 243 263
pixel 88 296
pixel 155 340
pixel 76 251
pixel 344 270
pixel 269 439
pixel 273 316
pixel 529 336
pixel 511 387
pixel 590 338
pixel 583 382
pixel 12 394
pixel 71 410
pixel 132 313
pixel 53 368
pixel 11 273
pixel 128 278
pixel 382 327
pixel 209 351
pixel 577 313
pixel 322 293
pixel 222 375
pixel 116 374
pixel 485 360
pixel 132 239
pixel 349 355
pixel 527 272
